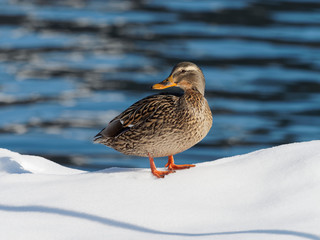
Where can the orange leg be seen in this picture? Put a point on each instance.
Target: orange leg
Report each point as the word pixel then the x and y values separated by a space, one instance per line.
pixel 155 172
pixel 172 166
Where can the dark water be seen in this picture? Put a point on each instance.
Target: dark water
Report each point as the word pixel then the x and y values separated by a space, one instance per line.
pixel 68 67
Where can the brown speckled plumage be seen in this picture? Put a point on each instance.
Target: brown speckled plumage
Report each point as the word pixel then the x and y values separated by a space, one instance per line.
pixel 163 124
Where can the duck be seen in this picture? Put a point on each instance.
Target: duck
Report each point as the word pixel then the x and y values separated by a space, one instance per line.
pixel 164 124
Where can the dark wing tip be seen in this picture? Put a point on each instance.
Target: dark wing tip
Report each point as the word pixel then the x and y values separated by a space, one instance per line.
pixel 113 129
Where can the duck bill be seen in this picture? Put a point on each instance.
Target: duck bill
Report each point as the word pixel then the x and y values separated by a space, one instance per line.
pixel 165 83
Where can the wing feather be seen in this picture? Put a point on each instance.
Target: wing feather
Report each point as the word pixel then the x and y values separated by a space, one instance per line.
pixel 137 114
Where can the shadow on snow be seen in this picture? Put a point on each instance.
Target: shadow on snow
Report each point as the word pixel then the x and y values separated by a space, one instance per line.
pixel 133 227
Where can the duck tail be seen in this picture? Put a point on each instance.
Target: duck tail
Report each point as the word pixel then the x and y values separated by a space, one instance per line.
pixel 99 138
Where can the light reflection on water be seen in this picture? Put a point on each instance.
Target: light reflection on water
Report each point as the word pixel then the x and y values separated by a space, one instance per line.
pixel 69 67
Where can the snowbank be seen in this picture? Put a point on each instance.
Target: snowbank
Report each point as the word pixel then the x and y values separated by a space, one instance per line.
pixel 268 194
pixel 11 162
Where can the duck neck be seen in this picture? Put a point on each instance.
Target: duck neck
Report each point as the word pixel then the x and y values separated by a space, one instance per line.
pixel 192 97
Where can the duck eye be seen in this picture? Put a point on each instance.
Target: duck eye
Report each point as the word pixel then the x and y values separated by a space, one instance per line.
pixel 183 71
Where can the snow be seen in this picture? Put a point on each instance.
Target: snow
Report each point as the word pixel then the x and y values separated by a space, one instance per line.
pixel 268 194
pixel 12 162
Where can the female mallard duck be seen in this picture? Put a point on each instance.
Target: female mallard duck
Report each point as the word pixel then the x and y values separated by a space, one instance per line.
pixel 163 124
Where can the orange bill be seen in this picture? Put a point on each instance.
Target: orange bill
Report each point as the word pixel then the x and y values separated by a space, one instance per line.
pixel 165 83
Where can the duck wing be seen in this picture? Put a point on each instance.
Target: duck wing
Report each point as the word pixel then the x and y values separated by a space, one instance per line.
pixel 137 114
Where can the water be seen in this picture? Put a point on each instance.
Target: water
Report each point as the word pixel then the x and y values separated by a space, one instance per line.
pixel 69 67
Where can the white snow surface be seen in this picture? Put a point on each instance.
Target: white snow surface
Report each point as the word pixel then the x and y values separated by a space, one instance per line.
pixel 267 194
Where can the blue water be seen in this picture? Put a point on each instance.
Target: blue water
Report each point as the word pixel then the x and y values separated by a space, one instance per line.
pixel 69 67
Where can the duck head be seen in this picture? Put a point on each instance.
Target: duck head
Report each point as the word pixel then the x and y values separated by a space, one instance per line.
pixel 185 75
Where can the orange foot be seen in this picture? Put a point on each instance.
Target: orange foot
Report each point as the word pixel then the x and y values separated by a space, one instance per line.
pixel 157 173
pixel 172 166
pixel 161 174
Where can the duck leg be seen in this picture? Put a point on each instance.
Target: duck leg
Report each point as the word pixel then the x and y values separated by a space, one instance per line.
pixel 155 172
pixel 172 166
